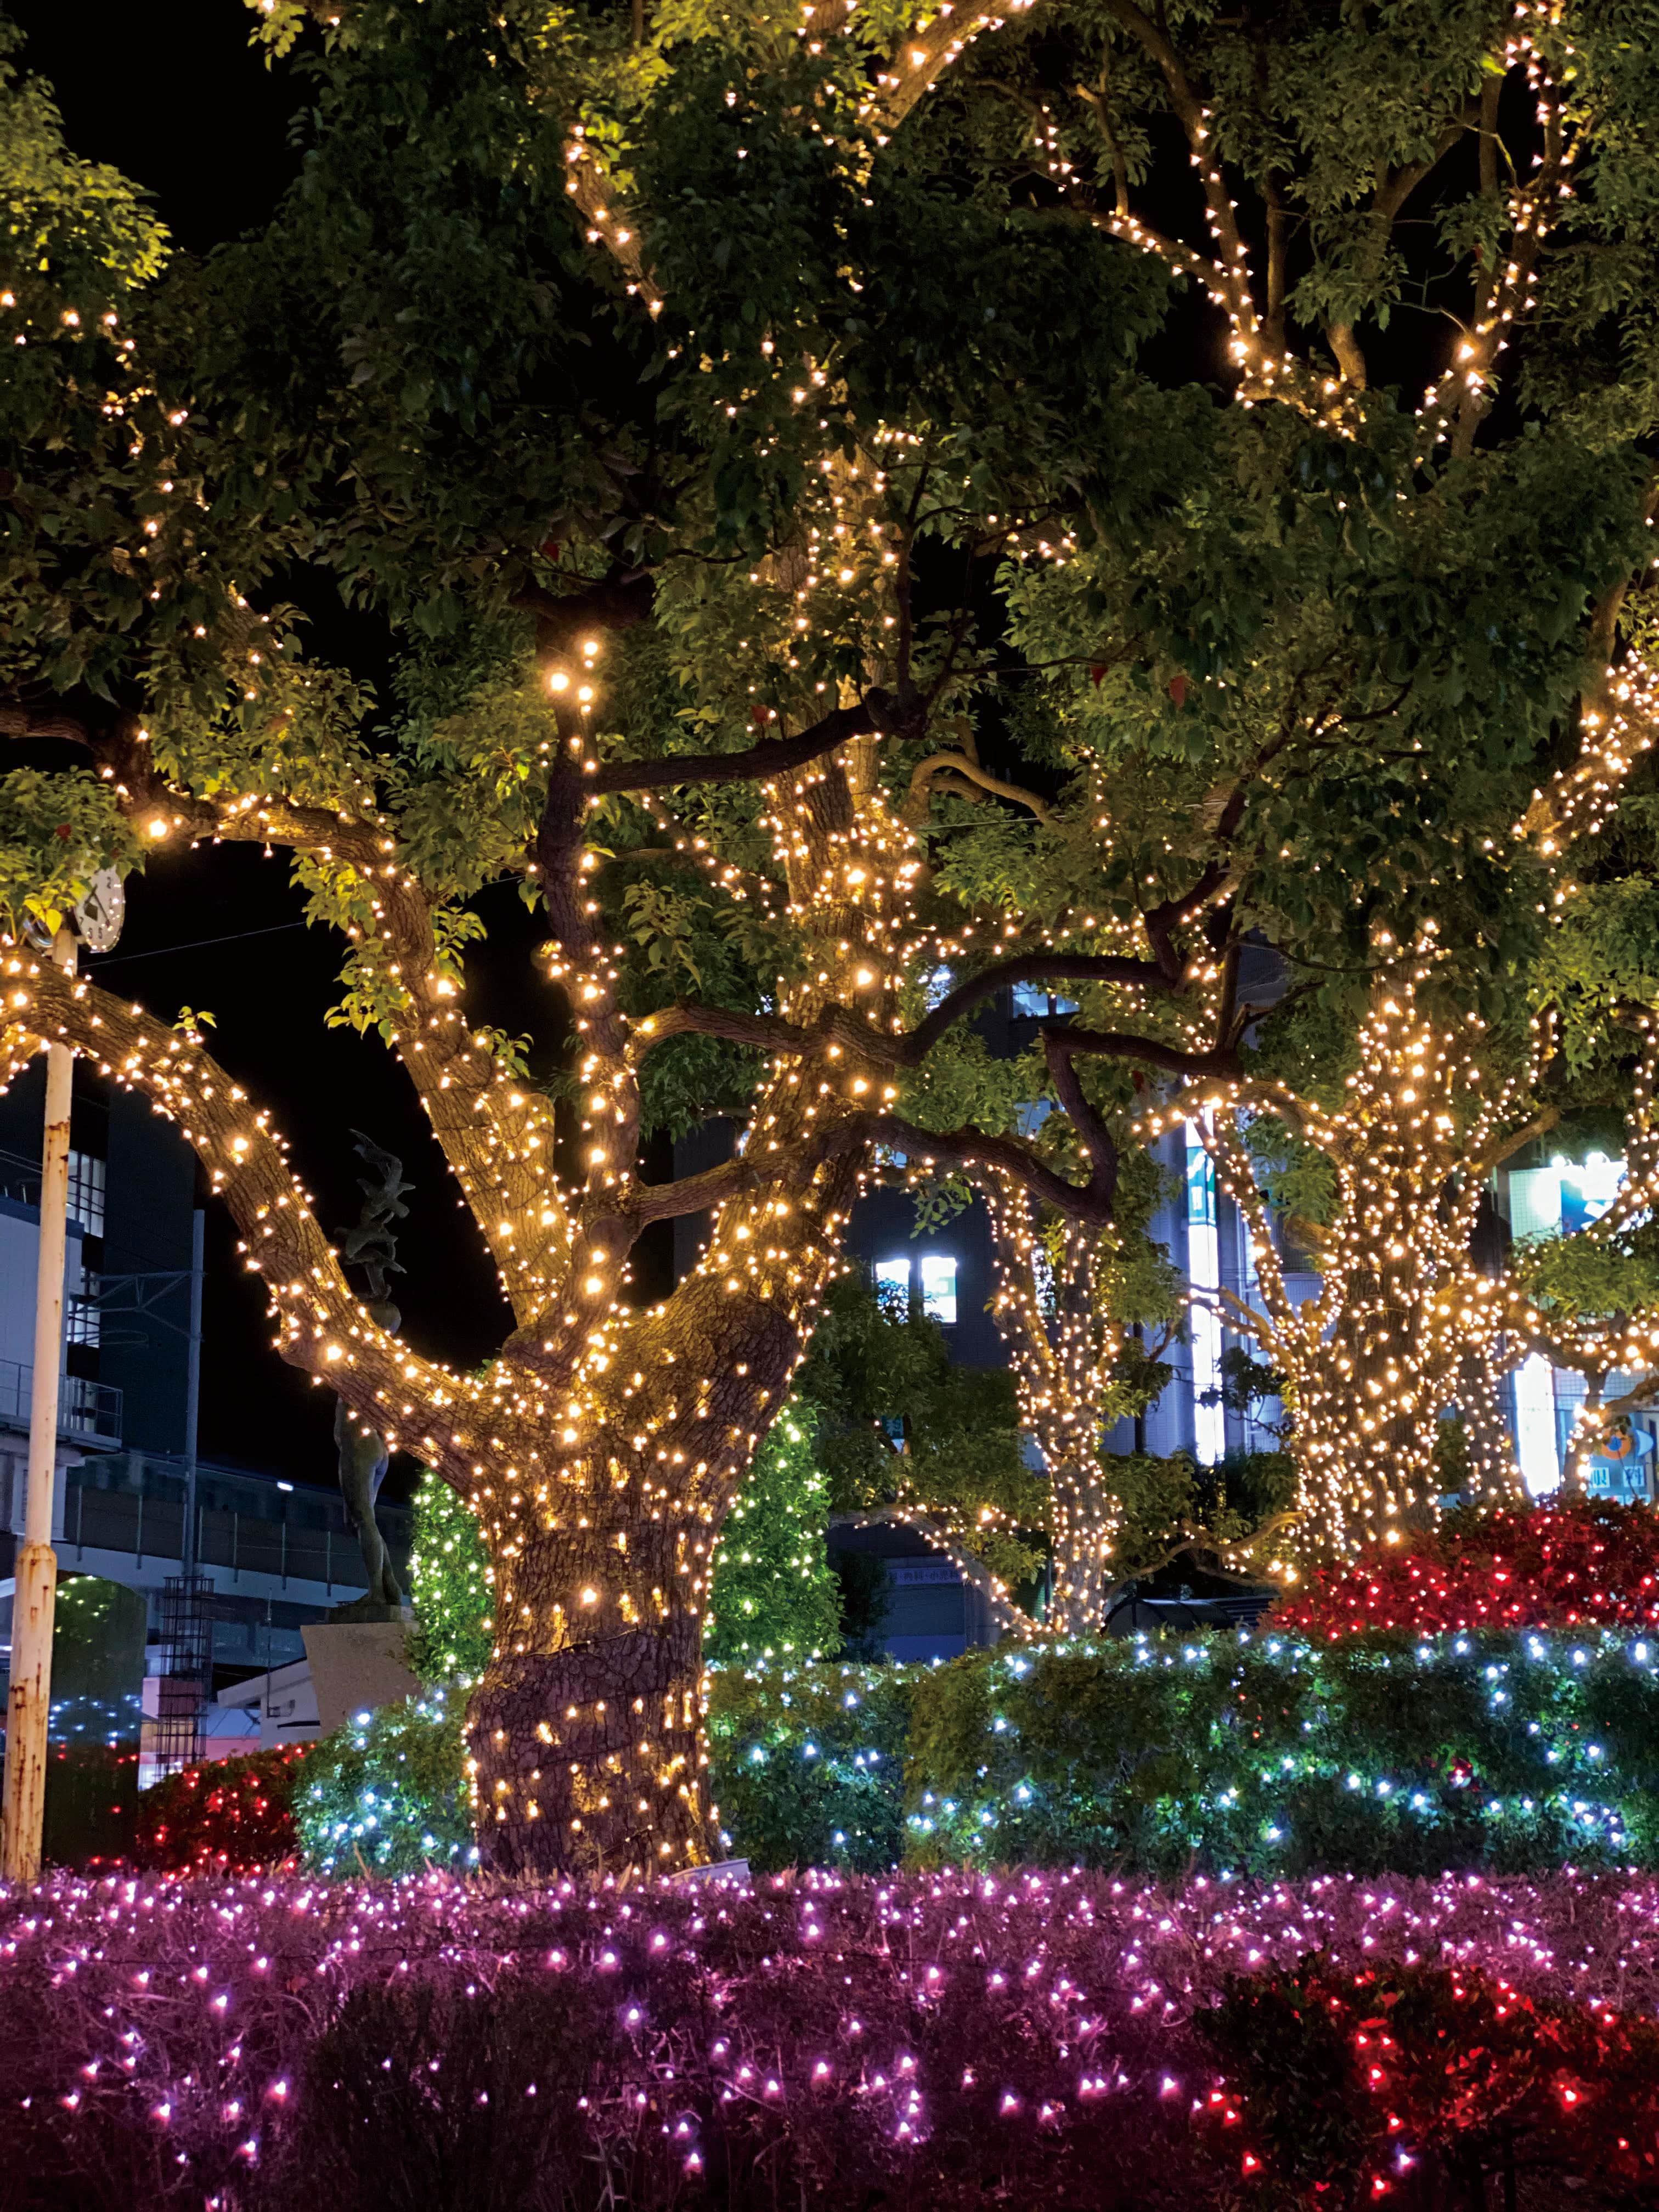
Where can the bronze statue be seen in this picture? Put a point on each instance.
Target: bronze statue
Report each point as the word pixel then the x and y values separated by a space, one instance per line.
pixel 362 1451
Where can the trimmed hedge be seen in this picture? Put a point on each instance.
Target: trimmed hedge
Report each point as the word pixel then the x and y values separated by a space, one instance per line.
pixel 1581 1562
pixel 1258 1754
pixel 808 1766
pixel 1271 1754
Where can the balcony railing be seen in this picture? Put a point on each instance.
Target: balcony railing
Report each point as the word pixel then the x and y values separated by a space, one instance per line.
pixel 151 1527
pixel 84 1408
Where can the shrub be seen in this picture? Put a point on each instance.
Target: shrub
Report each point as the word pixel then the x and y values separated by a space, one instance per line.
pixel 932 2043
pixel 452 1584
pixel 1251 1754
pixel 1425 2082
pixel 1584 1563
pixel 808 1765
pixel 226 1816
pixel 773 1597
pixel 386 1794
pixel 1269 1755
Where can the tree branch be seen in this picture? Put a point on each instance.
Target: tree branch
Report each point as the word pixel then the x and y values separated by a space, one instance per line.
pixel 936 765
pixel 849 1031
pixel 929 1148
pixel 325 1330
pixel 1024 968
pixel 775 757
pixel 1221 1065
pixel 620 601
pixel 17 721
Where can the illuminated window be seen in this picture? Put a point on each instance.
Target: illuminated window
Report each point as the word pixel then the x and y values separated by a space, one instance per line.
pixel 1562 1197
pixel 83 1320
pixel 1035 1001
pixel 893 1285
pixel 938 1287
pixel 86 1192
pixel 1204 1274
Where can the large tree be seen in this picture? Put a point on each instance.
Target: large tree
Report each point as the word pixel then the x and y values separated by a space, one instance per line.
pixel 799 586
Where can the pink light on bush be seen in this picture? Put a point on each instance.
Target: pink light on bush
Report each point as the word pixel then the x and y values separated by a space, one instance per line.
pixel 868 2023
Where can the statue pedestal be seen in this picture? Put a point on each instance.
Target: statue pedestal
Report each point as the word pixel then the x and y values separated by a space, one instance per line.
pixel 357 1664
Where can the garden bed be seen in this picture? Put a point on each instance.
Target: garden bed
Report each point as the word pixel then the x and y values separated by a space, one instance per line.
pixel 945 2041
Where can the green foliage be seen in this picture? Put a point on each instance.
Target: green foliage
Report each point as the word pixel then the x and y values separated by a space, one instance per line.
pixel 1256 1755
pixel 386 1794
pixel 56 832
pixel 773 1593
pixel 1265 1755
pixel 1591 1275
pixel 82 221
pixel 452 1586
pixel 899 1423
pixel 807 1764
pixel 1160 1495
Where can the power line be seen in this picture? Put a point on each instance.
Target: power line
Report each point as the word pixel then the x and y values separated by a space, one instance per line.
pixel 234 937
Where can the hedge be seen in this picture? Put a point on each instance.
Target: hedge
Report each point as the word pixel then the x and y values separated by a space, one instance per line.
pixel 926 2043
pixel 1271 1754
pixel 1580 1563
pixel 808 1765
pixel 1260 1755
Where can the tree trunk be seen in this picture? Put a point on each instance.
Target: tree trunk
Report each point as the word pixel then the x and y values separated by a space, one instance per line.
pixel 589 1759
pixel 1494 1474
pixel 1363 1426
pixel 1082 1518
pixel 585 1743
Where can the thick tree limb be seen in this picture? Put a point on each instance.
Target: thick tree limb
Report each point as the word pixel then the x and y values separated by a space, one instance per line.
pixel 756 764
pixel 850 1032
pixel 941 764
pixel 325 1330
pixel 1222 1065
pixel 563 619
pixel 1026 967
pixel 17 721
pixel 962 1148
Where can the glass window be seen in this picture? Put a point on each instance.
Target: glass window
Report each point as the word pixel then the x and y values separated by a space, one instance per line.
pixel 893 1285
pixel 86 1192
pixel 1201 1182
pixel 84 1320
pixel 938 1287
pixel 1036 1000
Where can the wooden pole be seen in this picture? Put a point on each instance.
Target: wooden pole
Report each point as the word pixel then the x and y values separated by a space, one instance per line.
pixel 35 1602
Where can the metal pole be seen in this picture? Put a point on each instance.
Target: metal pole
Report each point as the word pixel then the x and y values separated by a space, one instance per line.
pixel 35 1602
pixel 192 1392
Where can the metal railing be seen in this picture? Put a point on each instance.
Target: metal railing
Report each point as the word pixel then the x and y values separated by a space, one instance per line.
pixel 149 1527
pixel 85 1408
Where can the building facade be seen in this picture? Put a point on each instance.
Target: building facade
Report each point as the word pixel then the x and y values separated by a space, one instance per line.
pixel 274 1548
